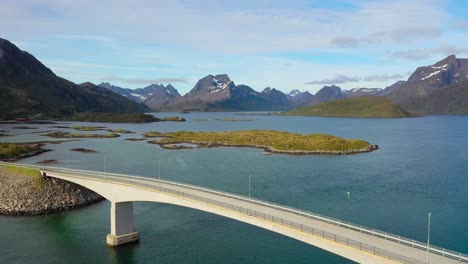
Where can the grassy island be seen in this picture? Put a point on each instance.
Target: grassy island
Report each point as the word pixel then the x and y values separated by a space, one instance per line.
pixel 11 151
pixel 60 134
pixel 99 128
pixel 269 140
pixel 363 106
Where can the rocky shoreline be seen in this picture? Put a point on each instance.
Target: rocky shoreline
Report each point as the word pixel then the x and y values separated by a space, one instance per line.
pixel 25 195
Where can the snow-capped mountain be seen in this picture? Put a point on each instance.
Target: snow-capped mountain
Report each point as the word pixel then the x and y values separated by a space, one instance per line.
pixel 437 88
pixel 299 98
pixel 144 94
pixel 355 92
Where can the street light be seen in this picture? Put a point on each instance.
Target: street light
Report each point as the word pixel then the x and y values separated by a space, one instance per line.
pixel 428 233
pixel 249 186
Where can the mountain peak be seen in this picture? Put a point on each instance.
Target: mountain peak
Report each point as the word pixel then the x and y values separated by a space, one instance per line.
pixel 14 61
pixel 210 85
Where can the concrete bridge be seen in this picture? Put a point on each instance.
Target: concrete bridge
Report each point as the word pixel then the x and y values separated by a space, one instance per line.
pixel 357 243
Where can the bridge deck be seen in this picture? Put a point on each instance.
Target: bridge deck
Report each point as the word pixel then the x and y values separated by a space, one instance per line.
pixel 365 239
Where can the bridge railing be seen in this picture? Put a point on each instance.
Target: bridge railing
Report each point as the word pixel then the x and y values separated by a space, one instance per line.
pixel 377 233
pixel 135 180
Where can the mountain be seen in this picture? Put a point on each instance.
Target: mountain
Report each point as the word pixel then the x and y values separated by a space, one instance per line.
pixel 144 94
pixel 328 93
pixel 452 99
pixel 363 106
pixel 220 93
pixel 278 100
pixel 356 92
pixel 160 96
pixel 430 78
pixel 27 87
pixel 298 98
pixel 389 89
pixel 433 89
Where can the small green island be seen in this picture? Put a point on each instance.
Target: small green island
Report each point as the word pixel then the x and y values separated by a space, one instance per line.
pixel 100 128
pixel 363 106
pixel 61 134
pixel 14 151
pixel 268 140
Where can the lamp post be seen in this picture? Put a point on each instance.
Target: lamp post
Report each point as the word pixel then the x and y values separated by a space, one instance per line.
pixel 428 233
pixel 249 186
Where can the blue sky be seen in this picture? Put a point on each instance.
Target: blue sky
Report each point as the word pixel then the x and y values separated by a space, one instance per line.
pixel 283 44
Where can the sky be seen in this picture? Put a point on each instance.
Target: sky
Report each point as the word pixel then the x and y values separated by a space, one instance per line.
pixel 291 44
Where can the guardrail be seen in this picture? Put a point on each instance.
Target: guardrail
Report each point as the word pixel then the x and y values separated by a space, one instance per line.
pixel 377 233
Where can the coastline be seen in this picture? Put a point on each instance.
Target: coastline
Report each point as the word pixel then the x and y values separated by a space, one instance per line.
pixel 200 144
pixel 28 195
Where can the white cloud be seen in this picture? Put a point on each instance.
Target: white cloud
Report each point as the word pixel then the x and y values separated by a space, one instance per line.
pixel 338 79
pixel 243 27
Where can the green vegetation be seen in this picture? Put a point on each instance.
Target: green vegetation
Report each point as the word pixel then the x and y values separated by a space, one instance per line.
pixel 112 118
pixel 60 134
pixel 11 151
pixel 200 119
pixel 98 128
pixel 35 174
pixel 119 130
pixel 270 140
pixel 363 106
pixel 153 134
pixel 88 128
pixel 83 150
pixel 234 119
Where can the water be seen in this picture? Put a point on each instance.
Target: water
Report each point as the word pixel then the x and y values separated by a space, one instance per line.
pixel 422 167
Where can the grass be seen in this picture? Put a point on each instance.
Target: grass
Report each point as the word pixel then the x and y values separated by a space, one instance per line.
pixel 34 174
pixel 234 119
pixel 275 141
pixel 88 128
pixel 363 106
pixel 153 134
pixel 11 150
pixel 60 134
pixel 99 128
pixel 119 130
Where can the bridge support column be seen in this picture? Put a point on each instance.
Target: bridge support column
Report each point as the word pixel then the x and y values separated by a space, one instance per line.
pixel 122 230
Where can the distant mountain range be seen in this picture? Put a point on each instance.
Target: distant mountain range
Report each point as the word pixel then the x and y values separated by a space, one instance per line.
pixel 28 87
pixel 435 89
pixel 220 93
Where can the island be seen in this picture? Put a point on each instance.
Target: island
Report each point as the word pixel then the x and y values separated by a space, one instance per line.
pixel 363 106
pixel 14 151
pixel 268 140
pixel 60 134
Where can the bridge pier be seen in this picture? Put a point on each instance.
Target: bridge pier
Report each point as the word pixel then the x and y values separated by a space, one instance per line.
pixel 122 230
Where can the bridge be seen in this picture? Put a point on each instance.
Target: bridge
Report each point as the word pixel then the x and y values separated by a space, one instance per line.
pixel 357 243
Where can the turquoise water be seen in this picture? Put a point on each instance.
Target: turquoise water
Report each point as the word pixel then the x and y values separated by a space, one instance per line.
pixel 422 167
